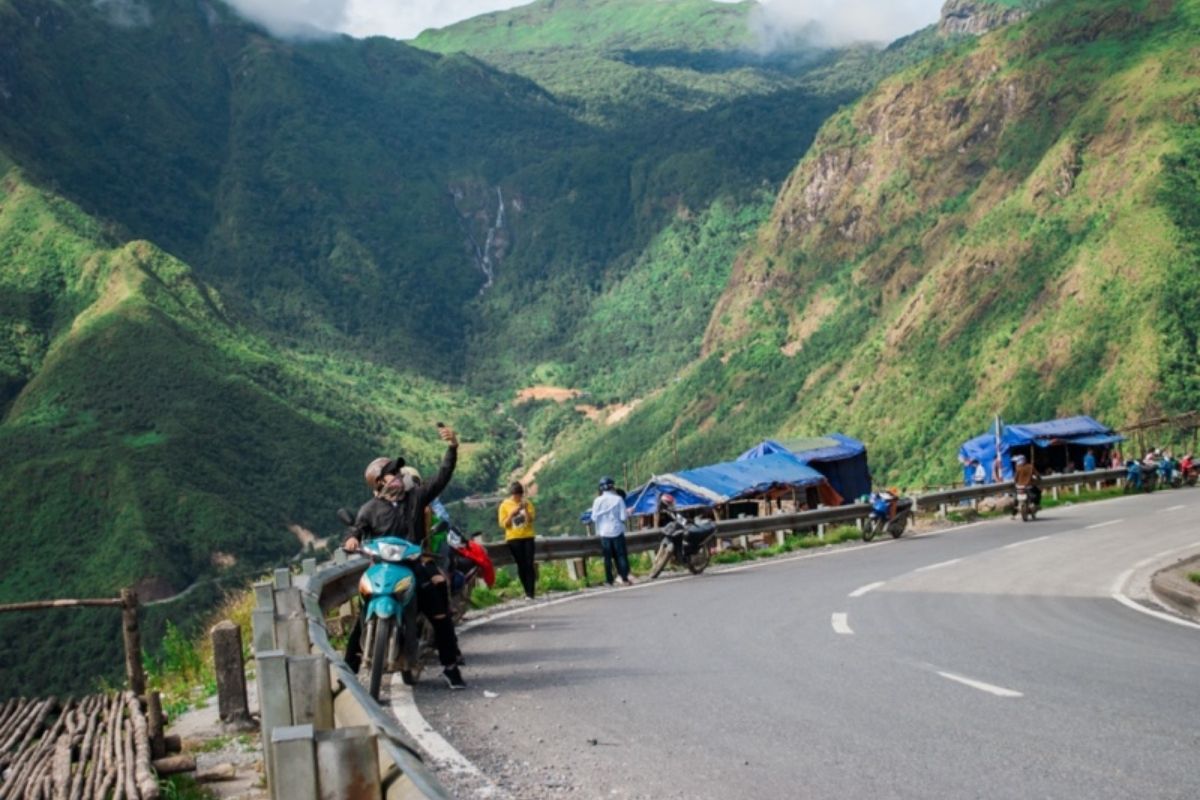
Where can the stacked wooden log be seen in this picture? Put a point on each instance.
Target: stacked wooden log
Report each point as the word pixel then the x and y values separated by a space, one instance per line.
pixel 96 747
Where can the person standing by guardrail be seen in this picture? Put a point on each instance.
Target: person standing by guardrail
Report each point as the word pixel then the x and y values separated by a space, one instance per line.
pixel 516 517
pixel 608 516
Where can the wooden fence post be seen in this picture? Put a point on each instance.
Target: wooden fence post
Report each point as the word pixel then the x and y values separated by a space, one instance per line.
pixel 134 671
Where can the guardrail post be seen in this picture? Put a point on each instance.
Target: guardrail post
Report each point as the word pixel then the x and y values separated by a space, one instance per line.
pixel 1076 488
pixel 943 509
pixel 1054 492
pixel 283 578
pixel 821 531
pixel 310 691
pixel 233 707
pixel 780 537
pixel 294 752
pixel 274 702
pixel 263 617
pixel 291 624
pixel 348 764
pixel 308 567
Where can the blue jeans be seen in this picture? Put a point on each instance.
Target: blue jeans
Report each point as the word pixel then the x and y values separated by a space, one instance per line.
pixel 614 548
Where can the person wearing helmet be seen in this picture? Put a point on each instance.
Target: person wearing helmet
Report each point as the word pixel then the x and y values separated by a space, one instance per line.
pixel 608 515
pixel 398 508
pixel 1025 476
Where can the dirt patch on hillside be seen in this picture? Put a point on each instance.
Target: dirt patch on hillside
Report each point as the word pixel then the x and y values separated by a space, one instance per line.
pixel 808 323
pixel 527 480
pixel 621 411
pixel 556 394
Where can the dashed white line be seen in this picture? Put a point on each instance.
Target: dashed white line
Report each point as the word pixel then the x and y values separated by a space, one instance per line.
pixel 1172 508
pixel 999 691
pixel 870 587
pixel 1027 541
pixel 841 624
pixel 1104 524
pixel 938 565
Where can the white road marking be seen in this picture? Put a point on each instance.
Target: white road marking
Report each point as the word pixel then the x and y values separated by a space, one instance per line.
pixel 870 587
pixel 1122 579
pixel 1104 524
pixel 1172 508
pixel 1125 601
pixel 999 691
pixel 1027 541
pixel 403 705
pixel 938 565
pixel 841 624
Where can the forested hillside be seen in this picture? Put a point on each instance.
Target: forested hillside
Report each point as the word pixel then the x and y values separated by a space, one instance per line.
pixel 1007 228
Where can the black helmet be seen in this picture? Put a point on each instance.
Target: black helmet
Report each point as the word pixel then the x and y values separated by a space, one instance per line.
pixel 607 483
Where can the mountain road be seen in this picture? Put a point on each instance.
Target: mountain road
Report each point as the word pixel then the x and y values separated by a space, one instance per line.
pixel 995 660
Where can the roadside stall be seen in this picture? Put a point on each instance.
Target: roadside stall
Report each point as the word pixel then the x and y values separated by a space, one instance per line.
pixel 840 458
pixel 1054 446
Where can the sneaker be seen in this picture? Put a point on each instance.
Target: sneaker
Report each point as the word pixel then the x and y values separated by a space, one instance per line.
pixel 454 678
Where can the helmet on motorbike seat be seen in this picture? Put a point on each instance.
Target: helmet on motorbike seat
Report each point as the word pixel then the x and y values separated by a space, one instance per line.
pixel 607 483
pixel 667 499
pixel 380 467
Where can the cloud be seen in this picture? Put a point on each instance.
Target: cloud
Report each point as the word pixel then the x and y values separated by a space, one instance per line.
pixel 779 23
pixel 776 23
pixel 399 19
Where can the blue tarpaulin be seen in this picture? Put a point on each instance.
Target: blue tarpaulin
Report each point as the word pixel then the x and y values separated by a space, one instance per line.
pixel 841 459
pixel 1079 432
pixel 721 483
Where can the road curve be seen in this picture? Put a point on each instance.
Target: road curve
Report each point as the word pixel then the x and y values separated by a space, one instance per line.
pixel 991 661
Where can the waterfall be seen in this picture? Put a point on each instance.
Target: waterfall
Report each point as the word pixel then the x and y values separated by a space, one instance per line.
pixel 485 258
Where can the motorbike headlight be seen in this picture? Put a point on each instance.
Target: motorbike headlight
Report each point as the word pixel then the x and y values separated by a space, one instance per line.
pixel 364 586
pixel 391 552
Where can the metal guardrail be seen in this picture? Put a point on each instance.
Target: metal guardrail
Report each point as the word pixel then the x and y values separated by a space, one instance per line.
pixel 936 500
pixel 323 733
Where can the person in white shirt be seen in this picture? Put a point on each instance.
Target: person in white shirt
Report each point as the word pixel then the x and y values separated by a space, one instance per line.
pixel 608 515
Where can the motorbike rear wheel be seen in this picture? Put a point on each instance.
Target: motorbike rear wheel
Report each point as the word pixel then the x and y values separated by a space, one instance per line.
pixel 661 557
pixel 897 526
pixel 384 629
pixel 1025 515
pixel 698 561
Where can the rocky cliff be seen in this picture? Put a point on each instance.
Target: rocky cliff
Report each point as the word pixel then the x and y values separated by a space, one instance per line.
pixel 977 17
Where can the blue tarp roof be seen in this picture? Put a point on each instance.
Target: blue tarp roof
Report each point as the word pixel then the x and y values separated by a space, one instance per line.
pixel 1077 431
pixel 720 483
pixel 834 447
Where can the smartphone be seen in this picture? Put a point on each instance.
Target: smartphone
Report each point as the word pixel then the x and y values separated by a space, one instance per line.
pixel 440 424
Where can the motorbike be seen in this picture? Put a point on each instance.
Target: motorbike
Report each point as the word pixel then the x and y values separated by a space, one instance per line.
pixel 684 544
pixel 469 565
pixel 885 518
pixel 393 630
pixel 1028 503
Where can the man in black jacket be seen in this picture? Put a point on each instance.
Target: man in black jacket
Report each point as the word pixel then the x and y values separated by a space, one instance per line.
pixel 398 509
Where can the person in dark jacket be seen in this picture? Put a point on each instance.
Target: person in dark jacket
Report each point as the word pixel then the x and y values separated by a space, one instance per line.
pixel 398 509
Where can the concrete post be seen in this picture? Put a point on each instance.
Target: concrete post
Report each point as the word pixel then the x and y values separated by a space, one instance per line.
pixel 283 578
pixel 780 537
pixel 308 567
pixel 821 531
pixel 1054 492
pixel 348 764
pixel 291 625
pixel 1076 487
pixel 274 701
pixel 294 754
pixel 942 510
pixel 233 707
pixel 264 596
pixel 310 690
pixel 264 630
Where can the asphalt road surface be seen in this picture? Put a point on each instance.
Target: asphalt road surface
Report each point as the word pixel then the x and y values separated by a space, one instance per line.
pixel 990 661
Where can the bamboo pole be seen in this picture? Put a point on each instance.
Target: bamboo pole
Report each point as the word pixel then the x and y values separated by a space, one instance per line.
pixel 147 784
pixel 43 605
pixel 85 749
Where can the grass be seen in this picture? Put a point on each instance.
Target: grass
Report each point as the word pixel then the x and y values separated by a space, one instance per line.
pixel 184 787
pixel 1194 577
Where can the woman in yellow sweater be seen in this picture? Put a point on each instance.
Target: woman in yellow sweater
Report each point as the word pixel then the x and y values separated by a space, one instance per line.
pixel 516 517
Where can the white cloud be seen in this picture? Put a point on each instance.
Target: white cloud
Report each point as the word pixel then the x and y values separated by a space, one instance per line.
pixel 838 22
pixel 778 21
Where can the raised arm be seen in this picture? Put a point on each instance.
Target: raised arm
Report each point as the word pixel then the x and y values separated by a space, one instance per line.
pixel 430 490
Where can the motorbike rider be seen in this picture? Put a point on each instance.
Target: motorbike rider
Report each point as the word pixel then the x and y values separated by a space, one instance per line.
pixel 1025 476
pixel 667 513
pixel 398 508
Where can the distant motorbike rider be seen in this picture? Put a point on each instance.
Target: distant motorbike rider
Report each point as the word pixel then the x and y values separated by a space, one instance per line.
pixel 398 508
pixel 1026 476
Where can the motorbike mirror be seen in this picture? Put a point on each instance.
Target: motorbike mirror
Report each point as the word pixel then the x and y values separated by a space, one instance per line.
pixel 344 515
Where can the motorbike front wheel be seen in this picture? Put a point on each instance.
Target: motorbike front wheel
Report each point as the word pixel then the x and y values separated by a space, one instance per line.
pixel 870 529
pixel 661 557
pixel 698 561
pixel 384 628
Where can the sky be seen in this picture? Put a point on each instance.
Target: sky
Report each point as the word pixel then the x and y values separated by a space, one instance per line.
pixel 841 21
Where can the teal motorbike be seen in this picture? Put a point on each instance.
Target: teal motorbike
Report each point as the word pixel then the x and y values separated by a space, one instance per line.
pixel 393 631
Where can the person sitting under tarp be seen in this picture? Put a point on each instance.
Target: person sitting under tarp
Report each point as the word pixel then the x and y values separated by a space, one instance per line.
pixel 1025 476
pixel 1133 474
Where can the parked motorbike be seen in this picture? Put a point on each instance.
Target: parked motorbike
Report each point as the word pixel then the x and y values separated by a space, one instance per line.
pixel 684 544
pixel 393 630
pixel 470 564
pixel 888 513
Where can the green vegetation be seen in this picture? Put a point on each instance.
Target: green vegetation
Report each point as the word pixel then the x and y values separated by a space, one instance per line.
pixel 1194 577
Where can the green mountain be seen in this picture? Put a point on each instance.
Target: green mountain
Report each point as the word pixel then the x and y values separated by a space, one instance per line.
pixel 1006 228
